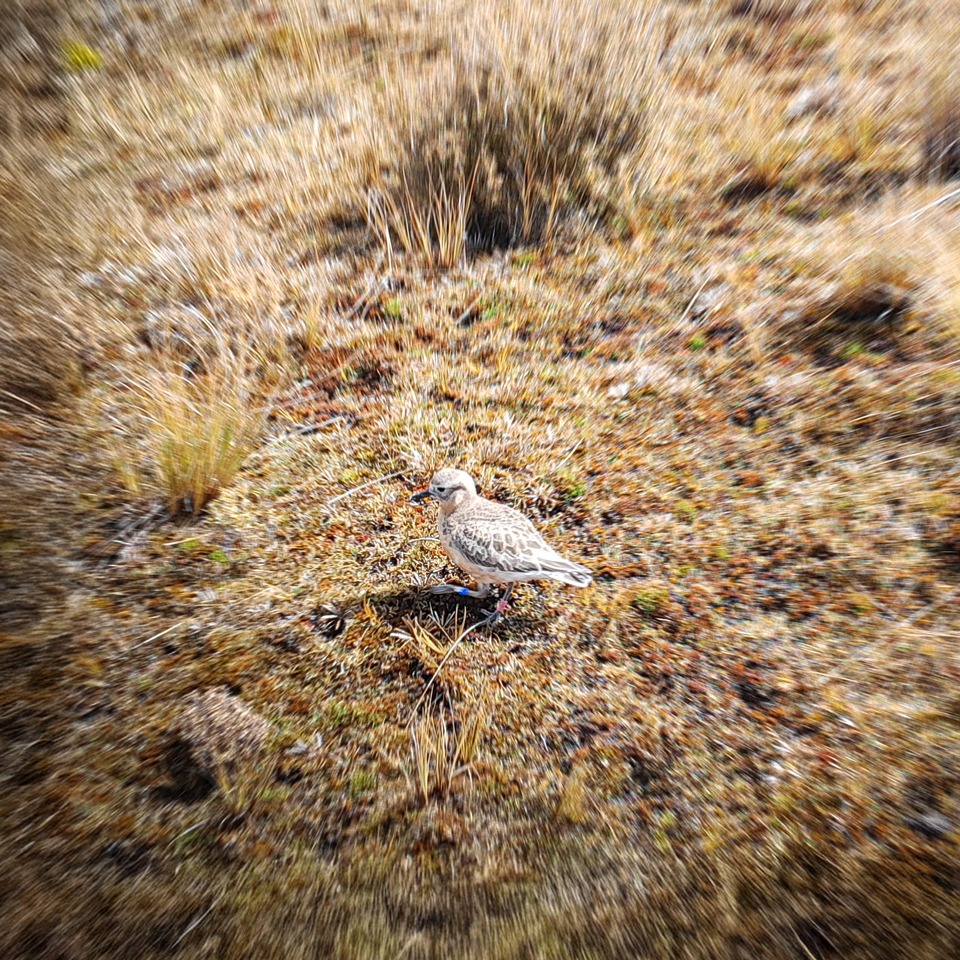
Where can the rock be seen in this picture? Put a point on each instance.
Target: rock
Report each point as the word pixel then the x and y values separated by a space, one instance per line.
pixel 707 300
pixel 818 98
pixel 222 733
pixel 931 823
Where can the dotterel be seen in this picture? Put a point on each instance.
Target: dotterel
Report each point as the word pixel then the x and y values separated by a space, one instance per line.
pixel 492 542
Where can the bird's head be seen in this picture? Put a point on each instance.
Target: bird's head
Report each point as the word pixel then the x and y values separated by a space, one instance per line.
pixel 449 486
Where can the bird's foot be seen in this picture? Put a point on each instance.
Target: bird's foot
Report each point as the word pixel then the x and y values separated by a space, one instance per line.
pixel 496 615
pixel 441 588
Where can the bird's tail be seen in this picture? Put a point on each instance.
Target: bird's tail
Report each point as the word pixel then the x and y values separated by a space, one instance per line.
pixel 566 571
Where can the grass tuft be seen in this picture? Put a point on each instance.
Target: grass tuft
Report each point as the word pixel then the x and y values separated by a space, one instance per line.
pixel 539 112
pixel 441 752
pixel 181 425
pixel 941 111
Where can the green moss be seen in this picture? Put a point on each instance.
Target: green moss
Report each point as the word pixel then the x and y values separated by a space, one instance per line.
pixel 361 782
pixel 698 341
pixel 651 599
pixel 806 41
pixel 571 485
pixel 273 795
pixel 492 307
pixel 668 820
pixel 80 56
pixel 940 504
pixel 861 604
pixel 339 715
pixel 946 377
pixel 192 840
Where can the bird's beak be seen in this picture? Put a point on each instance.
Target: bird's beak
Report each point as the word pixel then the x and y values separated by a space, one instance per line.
pixel 418 498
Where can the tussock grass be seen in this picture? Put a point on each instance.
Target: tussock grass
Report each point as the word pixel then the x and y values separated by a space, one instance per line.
pixel 224 745
pixel 941 109
pixel 764 151
pixel 442 751
pixel 875 282
pixel 539 112
pixel 191 393
pixel 40 337
pixel 887 278
pixel 182 423
pixel 572 803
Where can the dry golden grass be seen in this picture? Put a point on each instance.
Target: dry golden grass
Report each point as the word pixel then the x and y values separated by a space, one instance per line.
pixel 259 736
pixel 941 132
pixel 188 401
pixel 181 426
pixel 439 756
pixel 40 342
pixel 885 277
pixel 764 150
pixel 494 146
pixel 947 259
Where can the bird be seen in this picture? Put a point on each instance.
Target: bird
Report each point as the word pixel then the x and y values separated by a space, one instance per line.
pixel 492 542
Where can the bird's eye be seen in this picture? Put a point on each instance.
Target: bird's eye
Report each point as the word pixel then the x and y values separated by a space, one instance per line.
pixel 441 489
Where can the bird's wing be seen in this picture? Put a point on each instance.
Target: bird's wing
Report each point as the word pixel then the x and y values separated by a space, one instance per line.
pixel 493 544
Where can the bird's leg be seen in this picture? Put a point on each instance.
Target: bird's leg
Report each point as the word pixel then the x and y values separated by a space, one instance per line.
pixel 502 606
pixel 504 602
pixel 481 591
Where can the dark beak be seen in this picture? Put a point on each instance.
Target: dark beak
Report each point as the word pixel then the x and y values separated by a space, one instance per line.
pixel 421 496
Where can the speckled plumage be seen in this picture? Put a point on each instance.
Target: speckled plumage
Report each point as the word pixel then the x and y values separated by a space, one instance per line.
pixel 492 542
